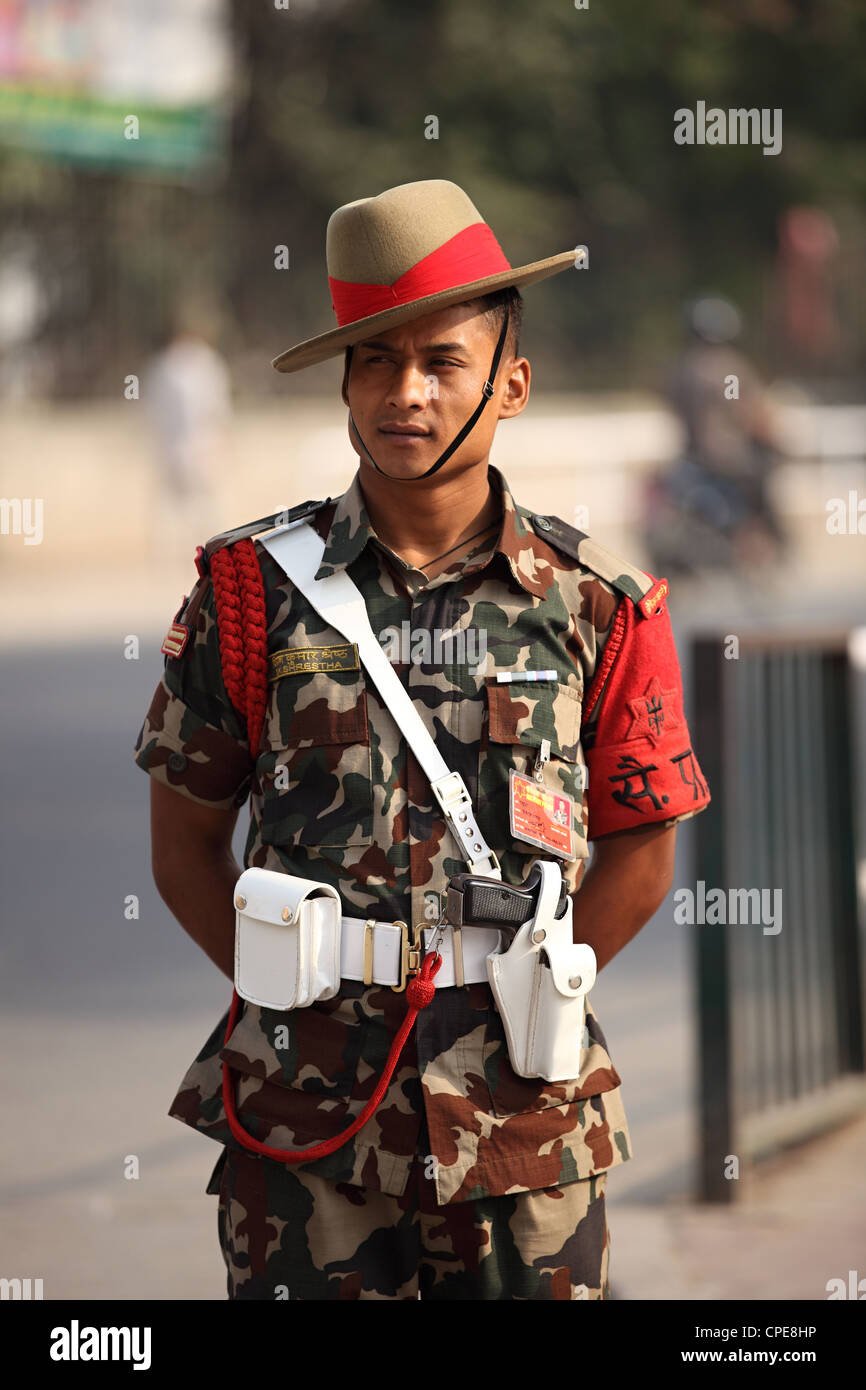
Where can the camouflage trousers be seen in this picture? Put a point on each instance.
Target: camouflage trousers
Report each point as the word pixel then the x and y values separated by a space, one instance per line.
pixel 286 1233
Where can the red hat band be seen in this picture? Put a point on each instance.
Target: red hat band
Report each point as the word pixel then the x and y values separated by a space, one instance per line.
pixel 472 254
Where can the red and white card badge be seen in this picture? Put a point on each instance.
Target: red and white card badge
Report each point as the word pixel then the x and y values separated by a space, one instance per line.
pixel 540 815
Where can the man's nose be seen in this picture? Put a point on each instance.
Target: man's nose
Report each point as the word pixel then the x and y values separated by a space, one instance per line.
pixel 408 386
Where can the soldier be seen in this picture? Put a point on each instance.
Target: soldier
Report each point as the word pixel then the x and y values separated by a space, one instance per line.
pixel 470 1181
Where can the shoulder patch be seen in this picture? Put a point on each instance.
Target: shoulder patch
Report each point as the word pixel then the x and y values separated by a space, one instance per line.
pixel 653 599
pixel 645 591
pixel 264 523
pixel 175 640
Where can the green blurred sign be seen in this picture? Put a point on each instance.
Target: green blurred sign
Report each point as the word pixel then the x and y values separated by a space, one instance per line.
pixel 114 83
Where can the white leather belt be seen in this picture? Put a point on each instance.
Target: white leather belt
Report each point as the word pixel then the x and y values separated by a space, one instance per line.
pixel 389 953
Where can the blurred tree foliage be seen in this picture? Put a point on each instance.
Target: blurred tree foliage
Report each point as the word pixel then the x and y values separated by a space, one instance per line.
pixel 557 121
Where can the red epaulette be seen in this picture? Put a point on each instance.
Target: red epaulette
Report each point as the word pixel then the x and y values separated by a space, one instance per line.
pixel 239 595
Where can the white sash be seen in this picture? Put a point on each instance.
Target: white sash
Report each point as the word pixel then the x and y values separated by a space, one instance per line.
pixel 298 550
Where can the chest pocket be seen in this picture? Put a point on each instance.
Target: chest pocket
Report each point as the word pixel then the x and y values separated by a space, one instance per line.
pixel 316 777
pixel 519 716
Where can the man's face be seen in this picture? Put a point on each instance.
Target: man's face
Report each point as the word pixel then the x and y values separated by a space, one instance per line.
pixel 428 375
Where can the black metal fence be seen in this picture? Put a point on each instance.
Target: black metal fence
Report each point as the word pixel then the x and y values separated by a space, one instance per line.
pixel 779 954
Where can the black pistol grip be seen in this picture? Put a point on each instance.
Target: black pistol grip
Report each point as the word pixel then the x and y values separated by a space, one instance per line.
pixel 475 901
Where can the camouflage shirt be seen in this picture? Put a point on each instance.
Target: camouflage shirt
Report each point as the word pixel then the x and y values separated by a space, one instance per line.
pixel 336 796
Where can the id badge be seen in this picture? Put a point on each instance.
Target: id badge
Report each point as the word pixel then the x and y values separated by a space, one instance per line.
pixel 539 815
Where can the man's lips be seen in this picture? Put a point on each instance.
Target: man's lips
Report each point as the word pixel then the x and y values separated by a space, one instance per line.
pixel 407 431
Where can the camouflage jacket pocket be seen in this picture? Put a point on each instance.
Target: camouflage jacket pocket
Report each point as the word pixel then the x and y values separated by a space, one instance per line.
pixel 315 1050
pixel 511 1094
pixel 519 716
pixel 315 774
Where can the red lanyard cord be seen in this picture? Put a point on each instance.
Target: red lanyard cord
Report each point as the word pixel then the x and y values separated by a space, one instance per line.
pixel 419 993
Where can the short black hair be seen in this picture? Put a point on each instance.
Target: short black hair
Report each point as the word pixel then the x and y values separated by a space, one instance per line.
pixel 493 307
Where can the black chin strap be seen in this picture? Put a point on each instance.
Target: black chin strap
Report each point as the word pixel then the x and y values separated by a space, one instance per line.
pixel 486 393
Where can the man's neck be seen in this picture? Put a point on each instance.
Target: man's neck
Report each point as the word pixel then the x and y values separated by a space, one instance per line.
pixel 423 520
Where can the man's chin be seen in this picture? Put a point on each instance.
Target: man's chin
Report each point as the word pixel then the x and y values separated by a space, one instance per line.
pixel 403 462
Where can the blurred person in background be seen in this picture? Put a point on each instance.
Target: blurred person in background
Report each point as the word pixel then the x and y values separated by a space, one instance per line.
pixel 187 395
pixel 807 318
pixel 713 509
pixel 24 368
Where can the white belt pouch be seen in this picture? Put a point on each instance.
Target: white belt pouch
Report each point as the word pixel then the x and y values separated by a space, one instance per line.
pixel 287 939
pixel 540 986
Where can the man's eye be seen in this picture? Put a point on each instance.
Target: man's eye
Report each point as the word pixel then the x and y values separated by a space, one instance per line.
pixel 445 361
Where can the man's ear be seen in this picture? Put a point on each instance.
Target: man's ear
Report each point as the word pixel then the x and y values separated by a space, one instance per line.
pixel 343 391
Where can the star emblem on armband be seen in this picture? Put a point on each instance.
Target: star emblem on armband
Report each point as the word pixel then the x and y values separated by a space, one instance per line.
pixel 653 713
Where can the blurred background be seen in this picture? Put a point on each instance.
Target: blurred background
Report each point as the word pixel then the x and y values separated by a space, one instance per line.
pixel 166 176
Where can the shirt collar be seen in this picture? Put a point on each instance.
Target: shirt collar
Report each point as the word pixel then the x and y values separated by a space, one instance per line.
pixel 521 547
pixel 351 529
pixel 348 533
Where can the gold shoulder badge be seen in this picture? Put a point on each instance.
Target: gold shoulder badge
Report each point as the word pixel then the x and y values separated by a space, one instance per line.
pixel 176 639
pixel 653 597
pixel 303 661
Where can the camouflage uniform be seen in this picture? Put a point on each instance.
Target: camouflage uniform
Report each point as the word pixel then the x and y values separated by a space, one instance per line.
pixel 337 797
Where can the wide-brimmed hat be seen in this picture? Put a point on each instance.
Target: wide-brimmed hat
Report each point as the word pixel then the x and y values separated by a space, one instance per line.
pixel 403 254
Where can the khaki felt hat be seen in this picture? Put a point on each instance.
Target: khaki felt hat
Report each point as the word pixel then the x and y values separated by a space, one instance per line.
pixel 403 254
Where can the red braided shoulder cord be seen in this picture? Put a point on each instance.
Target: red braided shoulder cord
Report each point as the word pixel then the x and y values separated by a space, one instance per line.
pixel 239 594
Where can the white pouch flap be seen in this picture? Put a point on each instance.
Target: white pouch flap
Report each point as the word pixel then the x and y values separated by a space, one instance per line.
pixel 287 939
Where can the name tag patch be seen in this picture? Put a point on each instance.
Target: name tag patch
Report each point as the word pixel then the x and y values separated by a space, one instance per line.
pixel 303 661
pixel 540 816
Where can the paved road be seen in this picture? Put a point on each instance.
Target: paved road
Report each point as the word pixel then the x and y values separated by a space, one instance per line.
pixel 100 1013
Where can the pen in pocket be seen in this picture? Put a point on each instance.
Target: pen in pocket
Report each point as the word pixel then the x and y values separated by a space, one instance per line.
pixel 504 676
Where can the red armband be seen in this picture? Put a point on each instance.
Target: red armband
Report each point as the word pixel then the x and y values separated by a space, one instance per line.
pixel 642 767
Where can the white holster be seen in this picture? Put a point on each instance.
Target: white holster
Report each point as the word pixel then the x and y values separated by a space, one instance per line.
pixel 287 939
pixel 540 986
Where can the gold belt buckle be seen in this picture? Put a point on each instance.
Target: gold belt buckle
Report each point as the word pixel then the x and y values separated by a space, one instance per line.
pixel 411 948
